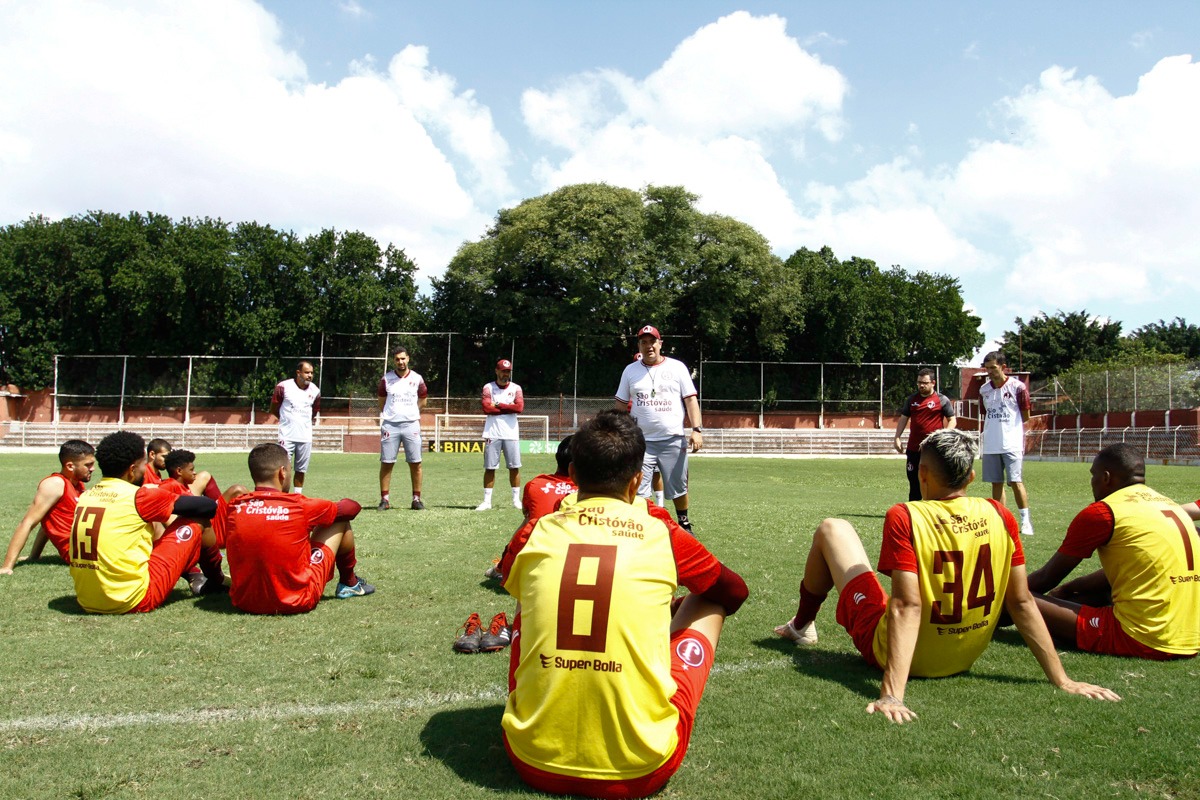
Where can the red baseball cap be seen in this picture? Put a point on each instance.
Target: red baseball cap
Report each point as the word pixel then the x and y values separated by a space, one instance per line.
pixel 650 330
pixel 504 363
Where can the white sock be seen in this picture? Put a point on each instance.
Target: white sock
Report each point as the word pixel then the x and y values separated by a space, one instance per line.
pixel 487 496
pixel 516 494
pixel 658 498
pixel 1024 514
pixel 297 490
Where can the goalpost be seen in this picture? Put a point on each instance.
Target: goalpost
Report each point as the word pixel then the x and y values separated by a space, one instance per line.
pixel 534 428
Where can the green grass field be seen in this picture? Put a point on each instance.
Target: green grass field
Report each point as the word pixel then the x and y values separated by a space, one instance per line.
pixel 364 697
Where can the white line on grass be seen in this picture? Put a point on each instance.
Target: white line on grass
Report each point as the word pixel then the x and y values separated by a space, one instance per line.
pixel 200 716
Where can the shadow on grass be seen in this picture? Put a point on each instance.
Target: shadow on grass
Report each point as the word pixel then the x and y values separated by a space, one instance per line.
pixel 467 740
pixel 846 669
pixel 493 586
pixel 67 604
pixel 46 560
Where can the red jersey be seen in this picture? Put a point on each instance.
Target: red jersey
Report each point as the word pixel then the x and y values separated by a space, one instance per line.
pixel 151 477
pixel 172 485
pixel 57 522
pixel 268 550
pixel 545 493
pixel 927 414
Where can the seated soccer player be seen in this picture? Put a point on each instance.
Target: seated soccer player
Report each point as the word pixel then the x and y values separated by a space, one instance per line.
pixel 282 547
pixel 954 560
pixel 1145 600
pixel 117 562
pixel 53 506
pixel 603 683
pixel 156 461
pixel 543 494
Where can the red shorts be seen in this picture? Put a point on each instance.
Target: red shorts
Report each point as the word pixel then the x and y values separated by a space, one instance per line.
pixel 1097 630
pixel 220 521
pixel 861 604
pixel 173 554
pixel 691 662
pixel 61 542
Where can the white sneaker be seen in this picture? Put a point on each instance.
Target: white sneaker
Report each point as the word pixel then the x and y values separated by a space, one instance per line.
pixel 484 507
pixel 517 504
pixel 1027 528
pixel 806 635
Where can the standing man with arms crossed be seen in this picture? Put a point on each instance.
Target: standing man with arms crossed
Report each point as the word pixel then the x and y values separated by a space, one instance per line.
pixel 930 411
pixel 1144 601
pixel 604 683
pixel 53 506
pixel 660 389
pixel 296 402
pixel 503 400
pixel 955 562
pixel 1005 403
pixel 402 394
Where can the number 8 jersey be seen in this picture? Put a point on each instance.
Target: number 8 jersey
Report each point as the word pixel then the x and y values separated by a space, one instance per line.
pixel 962 551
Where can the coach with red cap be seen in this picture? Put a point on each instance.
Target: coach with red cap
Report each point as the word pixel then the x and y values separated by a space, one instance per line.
pixel 657 390
pixel 502 402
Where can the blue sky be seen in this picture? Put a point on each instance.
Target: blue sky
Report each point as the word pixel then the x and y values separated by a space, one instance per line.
pixel 1044 154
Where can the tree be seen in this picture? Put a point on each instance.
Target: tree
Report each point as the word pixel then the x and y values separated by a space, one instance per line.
pixel 1176 336
pixel 1046 346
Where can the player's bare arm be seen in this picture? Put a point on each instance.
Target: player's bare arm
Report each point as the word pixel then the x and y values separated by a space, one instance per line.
pixel 951 423
pixel 904 623
pixel 696 437
pixel 1192 510
pixel 1021 606
pixel 49 492
pixel 901 424
pixel 1052 573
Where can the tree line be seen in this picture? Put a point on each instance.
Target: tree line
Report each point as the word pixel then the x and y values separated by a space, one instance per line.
pixel 587 265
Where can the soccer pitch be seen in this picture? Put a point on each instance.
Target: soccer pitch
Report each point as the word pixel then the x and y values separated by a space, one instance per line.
pixel 364 697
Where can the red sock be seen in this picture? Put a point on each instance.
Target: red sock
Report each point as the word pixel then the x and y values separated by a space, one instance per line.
pixel 345 566
pixel 211 491
pixel 810 604
pixel 210 562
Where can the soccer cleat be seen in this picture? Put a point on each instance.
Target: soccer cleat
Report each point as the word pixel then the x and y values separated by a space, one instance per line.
pixel 384 505
pixel 494 570
pixel 417 505
pixel 484 506
pixel 472 633
pixel 201 586
pixel 806 635
pixel 1027 528
pixel 687 526
pixel 498 635
pixel 360 589
pixel 517 504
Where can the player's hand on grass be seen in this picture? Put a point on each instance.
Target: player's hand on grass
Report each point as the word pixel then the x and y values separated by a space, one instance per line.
pixel 1090 690
pixel 893 709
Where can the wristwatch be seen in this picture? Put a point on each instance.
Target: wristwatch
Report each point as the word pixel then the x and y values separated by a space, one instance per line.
pixel 698 430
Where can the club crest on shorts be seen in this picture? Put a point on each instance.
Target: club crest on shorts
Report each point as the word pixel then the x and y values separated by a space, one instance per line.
pixel 184 533
pixel 317 556
pixel 690 652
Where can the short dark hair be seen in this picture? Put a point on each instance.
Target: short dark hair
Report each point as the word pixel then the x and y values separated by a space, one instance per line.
pixel 73 450
pixel 300 364
pixel 951 453
pixel 157 446
pixel 1125 461
pixel 398 349
pixel 607 451
pixel 177 459
pixel 927 373
pixel 118 452
pixel 996 356
pixel 265 459
pixel 563 456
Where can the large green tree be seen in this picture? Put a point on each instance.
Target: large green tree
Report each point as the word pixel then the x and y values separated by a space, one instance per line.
pixel 1050 345
pixel 1176 337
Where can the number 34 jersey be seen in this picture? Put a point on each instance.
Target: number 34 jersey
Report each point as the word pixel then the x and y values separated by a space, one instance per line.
pixel 591 676
pixel 962 551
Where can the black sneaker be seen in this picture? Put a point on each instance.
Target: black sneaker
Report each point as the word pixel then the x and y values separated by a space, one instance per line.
pixel 384 505
pixel 417 505
pixel 472 633
pixel 498 635
pixel 202 587
pixel 687 526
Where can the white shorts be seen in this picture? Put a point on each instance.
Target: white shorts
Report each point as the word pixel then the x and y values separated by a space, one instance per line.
pixel 299 452
pixel 491 453
pixel 393 434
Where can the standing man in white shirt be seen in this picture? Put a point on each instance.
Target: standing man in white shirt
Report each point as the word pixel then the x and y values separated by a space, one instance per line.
pixel 502 402
pixel 296 403
pixel 402 394
pixel 1006 410
pixel 661 389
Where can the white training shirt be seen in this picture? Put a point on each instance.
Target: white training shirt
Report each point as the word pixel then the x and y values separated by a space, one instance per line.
pixel 657 393
pixel 403 396
pixel 1003 427
pixel 296 409
pixel 502 426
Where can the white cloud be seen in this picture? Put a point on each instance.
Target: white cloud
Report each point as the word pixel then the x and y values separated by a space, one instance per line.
pixel 352 8
pixel 730 98
pixel 197 109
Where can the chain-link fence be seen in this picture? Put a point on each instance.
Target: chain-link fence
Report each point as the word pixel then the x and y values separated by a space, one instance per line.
pixel 1178 444
pixel 1155 387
